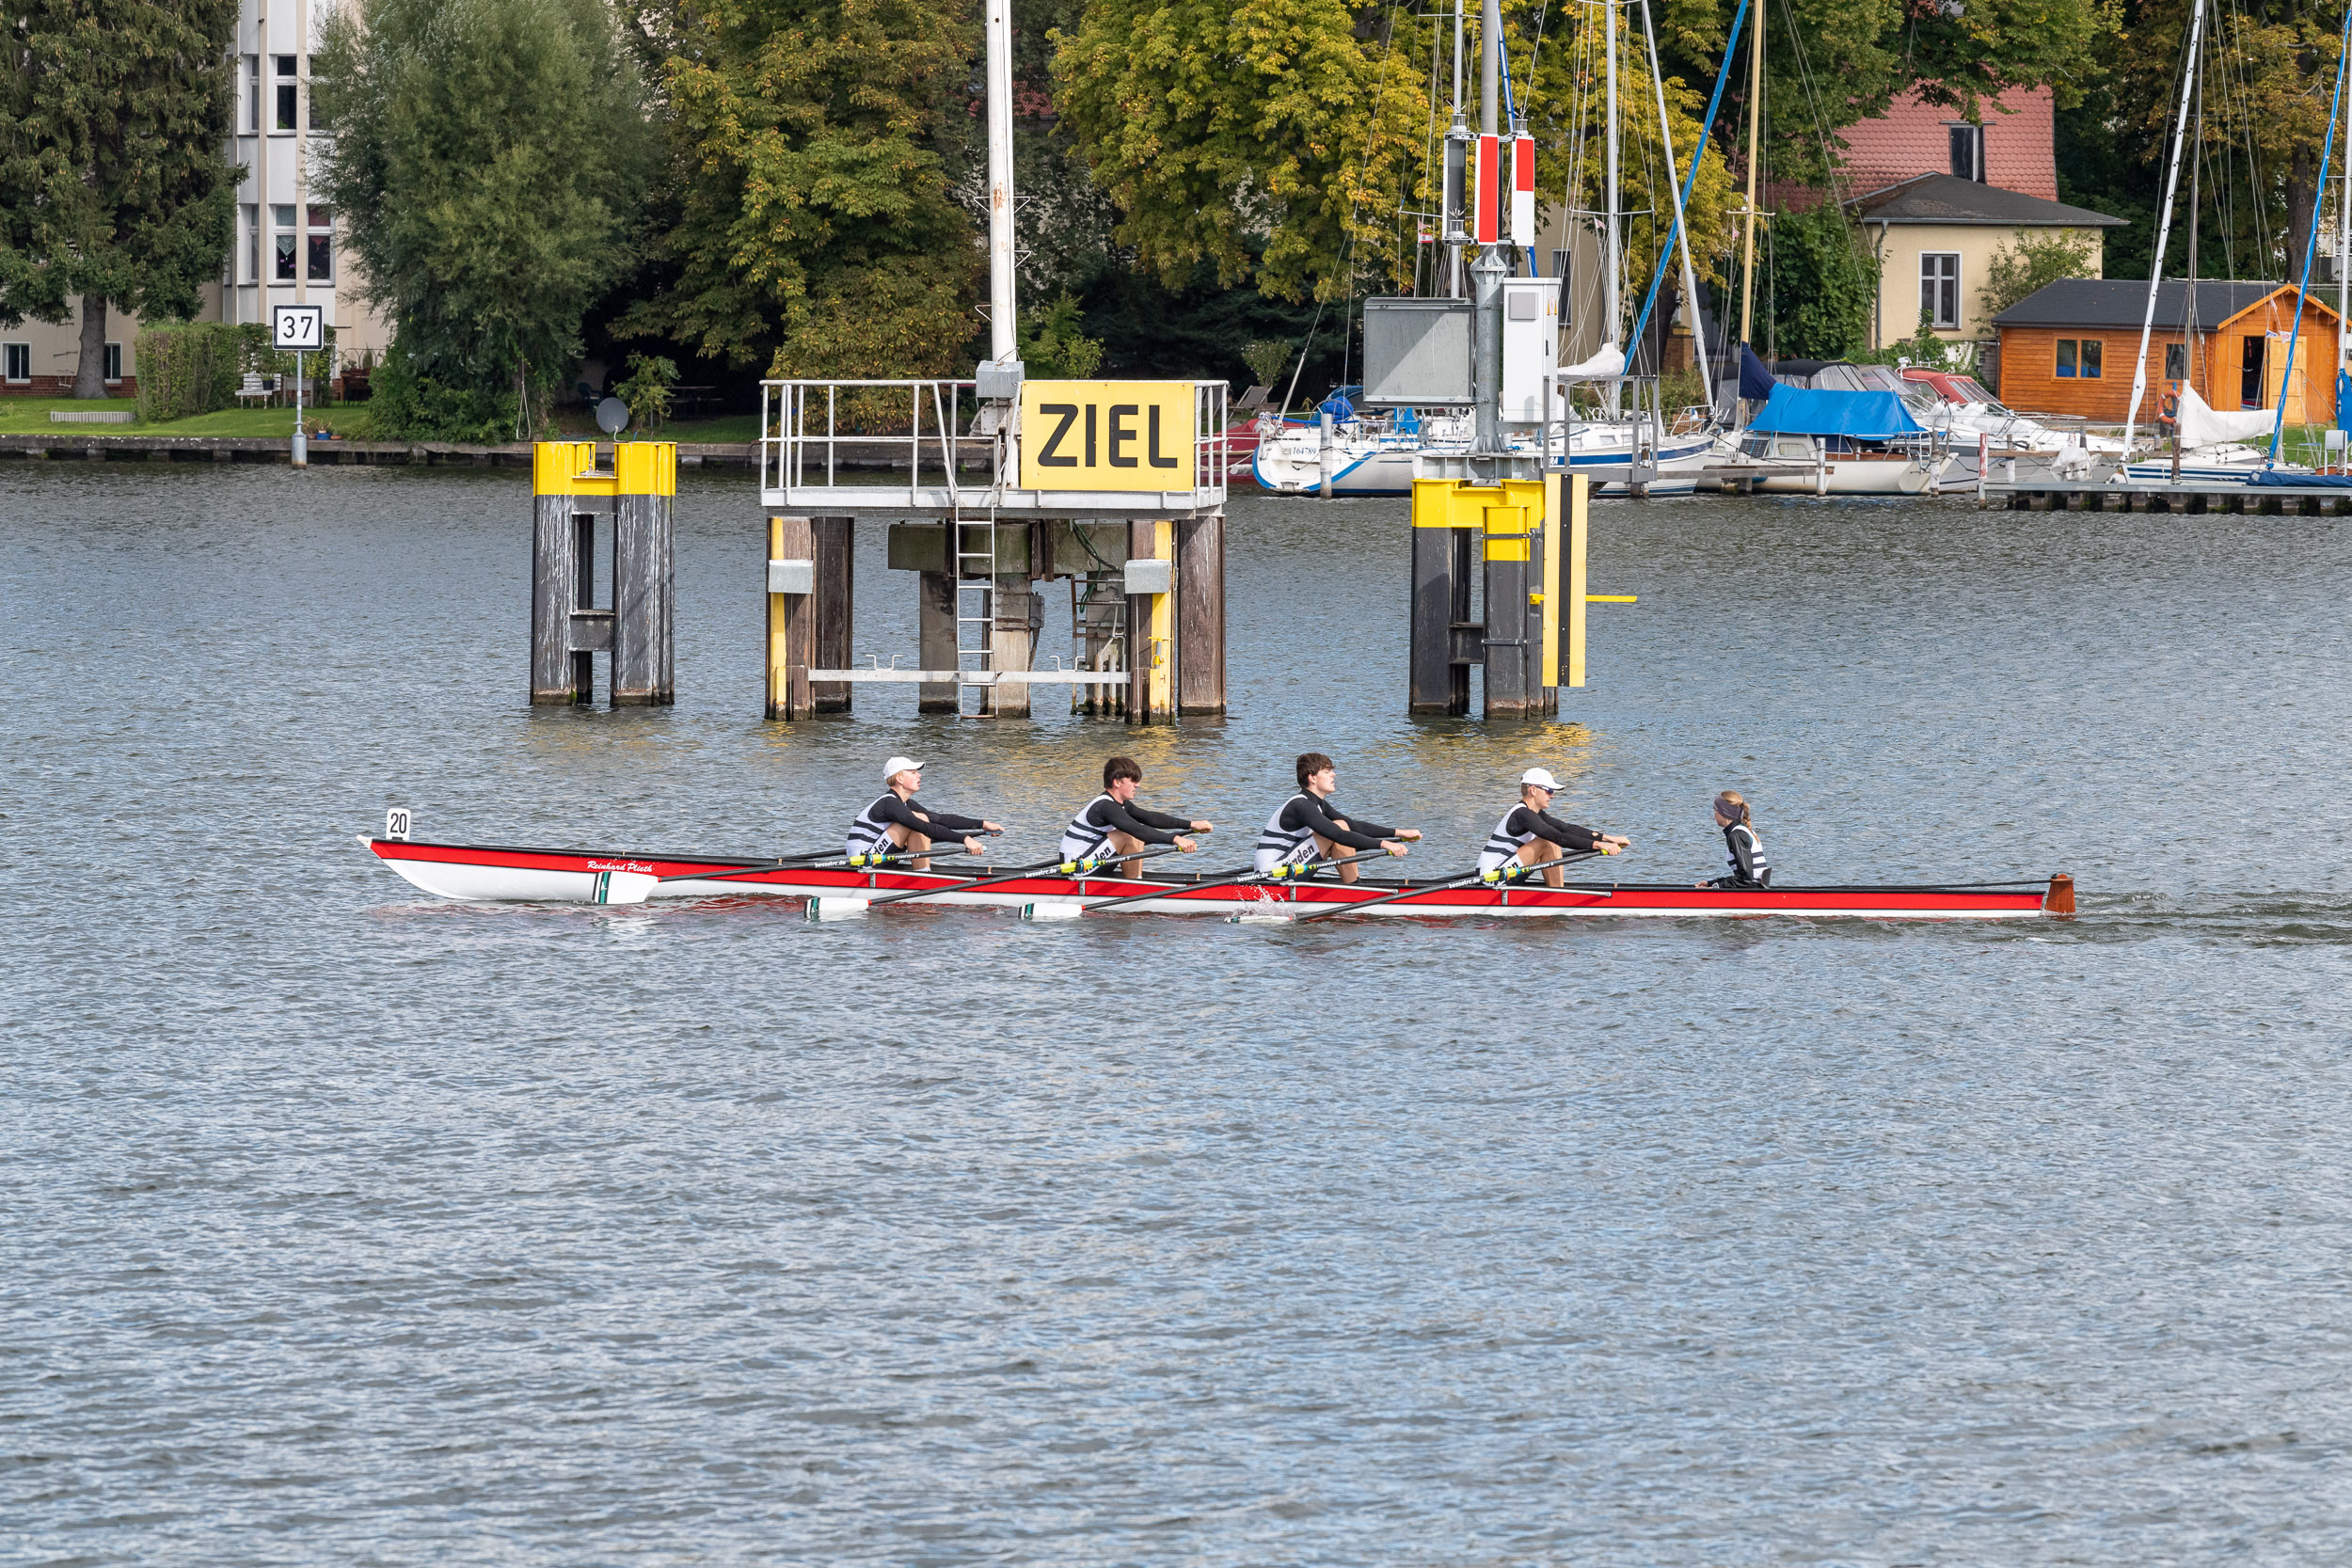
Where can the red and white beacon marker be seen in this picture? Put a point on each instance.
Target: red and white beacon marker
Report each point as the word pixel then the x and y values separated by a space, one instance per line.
pixel 1524 191
pixel 1490 190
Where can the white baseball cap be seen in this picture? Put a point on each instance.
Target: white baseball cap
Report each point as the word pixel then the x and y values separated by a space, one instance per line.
pixel 1540 778
pixel 897 765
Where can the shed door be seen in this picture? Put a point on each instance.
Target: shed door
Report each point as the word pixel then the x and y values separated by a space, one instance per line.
pixel 2276 387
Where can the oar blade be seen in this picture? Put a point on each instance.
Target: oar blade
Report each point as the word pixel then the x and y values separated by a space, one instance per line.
pixel 837 909
pixel 623 887
pixel 1053 910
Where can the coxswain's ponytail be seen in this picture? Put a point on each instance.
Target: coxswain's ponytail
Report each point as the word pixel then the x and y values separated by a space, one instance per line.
pixel 1733 809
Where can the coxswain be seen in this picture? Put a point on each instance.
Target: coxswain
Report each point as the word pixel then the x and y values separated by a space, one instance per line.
pixel 899 826
pixel 1111 826
pixel 1307 827
pixel 1529 835
pixel 1749 867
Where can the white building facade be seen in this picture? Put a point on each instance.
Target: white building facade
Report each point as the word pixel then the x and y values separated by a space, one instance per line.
pixel 286 247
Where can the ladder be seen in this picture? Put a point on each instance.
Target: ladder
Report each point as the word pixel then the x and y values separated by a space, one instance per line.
pixel 976 586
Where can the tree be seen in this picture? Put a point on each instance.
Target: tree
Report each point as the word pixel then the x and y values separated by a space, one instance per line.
pixel 811 218
pixel 113 186
pixel 1821 281
pixel 2030 261
pixel 489 157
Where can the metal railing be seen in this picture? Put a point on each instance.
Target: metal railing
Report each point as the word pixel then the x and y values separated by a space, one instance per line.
pixel 826 445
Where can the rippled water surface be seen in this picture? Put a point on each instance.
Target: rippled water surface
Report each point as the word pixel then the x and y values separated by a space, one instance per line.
pixel 343 1226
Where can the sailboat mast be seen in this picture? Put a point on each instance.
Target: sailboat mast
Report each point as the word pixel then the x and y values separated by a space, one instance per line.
pixel 2344 269
pixel 2164 230
pixel 1613 240
pixel 2188 305
pixel 1755 115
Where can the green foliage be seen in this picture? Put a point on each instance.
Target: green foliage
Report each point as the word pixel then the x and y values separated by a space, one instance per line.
pixel 1922 348
pixel 488 157
pixel 190 368
pixel 406 403
pixel 1054 343
pixel 1819 281
pixel 814 225
pixel 1267 359
pixel 113 186
pixel 2030 261
pixel 646 390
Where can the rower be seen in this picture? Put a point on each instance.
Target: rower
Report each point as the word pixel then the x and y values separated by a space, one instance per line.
pixel 1112 825
pixel 1306 828
pixel 1529 835
pixel 1749 867
pixel 898 826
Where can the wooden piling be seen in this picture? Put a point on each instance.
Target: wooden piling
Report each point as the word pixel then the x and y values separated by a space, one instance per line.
pixel 1201 614
pixel 836 601
pixel 562 587
pixel 936 639
pixel 791 620
pixel 644 585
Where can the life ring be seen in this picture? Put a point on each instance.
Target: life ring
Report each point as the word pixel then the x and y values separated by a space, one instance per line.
pixel 2171 408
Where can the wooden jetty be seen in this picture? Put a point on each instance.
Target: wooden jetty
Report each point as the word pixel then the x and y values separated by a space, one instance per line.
pixel 69 444
pixel 2264 501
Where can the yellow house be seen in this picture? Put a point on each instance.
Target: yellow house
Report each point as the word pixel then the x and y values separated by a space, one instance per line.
pixel 1934 237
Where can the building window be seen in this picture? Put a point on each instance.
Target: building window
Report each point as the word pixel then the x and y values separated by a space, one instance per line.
pixel 287 91
pixel 1968 144
pixel 16 361
pixel 2176 362
pixel 252 269
pixel 114 363
pixel 1939 287
pixel 282 244
pixel 2080 357
pixel 322 246
pixel 253 94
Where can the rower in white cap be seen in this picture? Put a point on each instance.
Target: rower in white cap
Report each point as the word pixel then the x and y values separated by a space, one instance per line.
pixel 898 825
pixel 1529 835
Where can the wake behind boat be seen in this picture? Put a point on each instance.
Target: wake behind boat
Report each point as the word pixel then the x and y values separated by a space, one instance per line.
pixel 478 872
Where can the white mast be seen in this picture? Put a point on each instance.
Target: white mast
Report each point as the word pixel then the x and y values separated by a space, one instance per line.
pixel 1608 199
pixel 2344 261
pixel 2163 229
pixel 1003 311
pixel 1682 226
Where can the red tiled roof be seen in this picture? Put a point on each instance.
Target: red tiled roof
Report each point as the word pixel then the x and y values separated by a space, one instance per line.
pixel 1910 140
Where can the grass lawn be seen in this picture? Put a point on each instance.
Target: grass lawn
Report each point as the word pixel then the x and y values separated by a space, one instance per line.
pixel 29 415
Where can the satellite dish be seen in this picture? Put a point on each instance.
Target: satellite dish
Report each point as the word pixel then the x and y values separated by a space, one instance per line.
pixel 612 416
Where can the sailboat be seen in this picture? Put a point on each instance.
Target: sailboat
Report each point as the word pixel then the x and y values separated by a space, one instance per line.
pixel 1358 453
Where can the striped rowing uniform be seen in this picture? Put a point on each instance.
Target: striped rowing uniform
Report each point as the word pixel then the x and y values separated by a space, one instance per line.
pixel 1749 868
pixel 1523 824
pixel 1289 835
pixel 1104 815
pixel 870 832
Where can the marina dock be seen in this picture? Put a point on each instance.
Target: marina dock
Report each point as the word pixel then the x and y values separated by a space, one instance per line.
pixel 2265 500
pixel 73 445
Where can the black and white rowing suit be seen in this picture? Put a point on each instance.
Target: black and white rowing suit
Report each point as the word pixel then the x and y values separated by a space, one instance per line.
pixel 1289 834
pixel 1749 867
pixel 1523 824
pixel 1102 816
pixel 871 829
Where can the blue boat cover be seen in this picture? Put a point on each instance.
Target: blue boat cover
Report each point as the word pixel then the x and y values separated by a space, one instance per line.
pixel 1800 411
pixel 2301 482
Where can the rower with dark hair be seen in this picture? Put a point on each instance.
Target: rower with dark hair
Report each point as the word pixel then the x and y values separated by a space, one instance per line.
pixel 898 827
pixel 1529 835
pixel 1749 868
pixel 1112 825
pixel 1308 827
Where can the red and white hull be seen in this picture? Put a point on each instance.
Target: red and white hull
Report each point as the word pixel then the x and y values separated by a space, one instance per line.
pixel 569 875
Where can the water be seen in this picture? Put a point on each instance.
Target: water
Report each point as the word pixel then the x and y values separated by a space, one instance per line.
pixel 343 1226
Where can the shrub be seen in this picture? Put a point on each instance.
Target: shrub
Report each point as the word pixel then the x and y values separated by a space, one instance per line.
pixel 2029 263
pixel 646 390
pixel 404 405
pixel 187 368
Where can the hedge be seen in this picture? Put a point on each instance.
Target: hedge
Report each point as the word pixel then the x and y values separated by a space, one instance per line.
pixel 197 367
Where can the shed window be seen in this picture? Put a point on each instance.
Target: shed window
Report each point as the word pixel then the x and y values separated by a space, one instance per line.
pixel 1939 287
pixel 2066 356
pixel 2079 356
pixel 2176 362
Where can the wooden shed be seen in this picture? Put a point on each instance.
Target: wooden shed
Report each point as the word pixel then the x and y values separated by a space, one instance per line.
pixel 2070 347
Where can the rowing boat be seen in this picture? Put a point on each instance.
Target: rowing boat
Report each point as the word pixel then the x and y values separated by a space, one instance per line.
pixel 480 872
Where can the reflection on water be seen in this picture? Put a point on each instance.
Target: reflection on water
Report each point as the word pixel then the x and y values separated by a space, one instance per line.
pixel 350 1227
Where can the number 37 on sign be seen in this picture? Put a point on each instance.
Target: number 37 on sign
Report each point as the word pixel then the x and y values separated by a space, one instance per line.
pixel 1107 436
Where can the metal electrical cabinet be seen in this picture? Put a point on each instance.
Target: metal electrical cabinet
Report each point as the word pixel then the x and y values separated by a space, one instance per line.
pixel 1531 345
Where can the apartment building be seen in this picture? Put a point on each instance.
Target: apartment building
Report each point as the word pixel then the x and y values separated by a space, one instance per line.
pixel 287 245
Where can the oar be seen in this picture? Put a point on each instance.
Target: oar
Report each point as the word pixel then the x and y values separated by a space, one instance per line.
pixel 1072 911
pixel 1441 887
pixel 1017 873
pixel 635 887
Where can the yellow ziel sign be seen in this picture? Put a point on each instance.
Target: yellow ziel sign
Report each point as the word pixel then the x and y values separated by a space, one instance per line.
pixel 1107 436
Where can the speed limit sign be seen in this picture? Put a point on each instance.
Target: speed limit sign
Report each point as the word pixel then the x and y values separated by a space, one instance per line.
pixel 297 326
